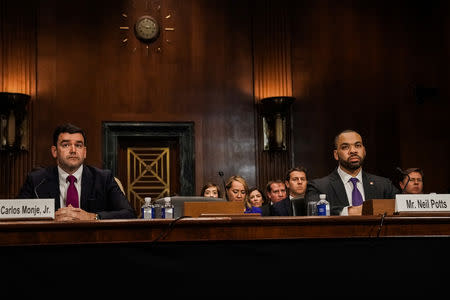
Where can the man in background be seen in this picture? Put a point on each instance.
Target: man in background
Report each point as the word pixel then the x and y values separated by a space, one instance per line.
pixel 295 181
pixel 412 181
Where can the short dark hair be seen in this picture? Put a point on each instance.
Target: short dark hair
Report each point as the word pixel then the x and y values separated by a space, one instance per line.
pixel 208 185
pixel 409 171
pixel 264 198
pixel 268 186
pixel 344 131
pixel 67 128
pixel 298 169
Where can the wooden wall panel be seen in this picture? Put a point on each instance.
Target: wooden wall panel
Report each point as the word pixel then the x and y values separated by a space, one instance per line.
pixel 356 65
pixel 17 75
pixel 272 77
pixel 348 64
pixel 204 75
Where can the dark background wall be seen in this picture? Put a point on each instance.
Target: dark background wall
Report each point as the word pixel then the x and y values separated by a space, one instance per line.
pixel 368 65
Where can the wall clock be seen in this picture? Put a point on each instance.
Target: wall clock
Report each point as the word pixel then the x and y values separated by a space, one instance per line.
pixel 146 27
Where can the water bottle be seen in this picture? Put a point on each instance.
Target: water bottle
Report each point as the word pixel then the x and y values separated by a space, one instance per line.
pixel 323 206
pixel 168 208
pixel 158 211
pixel 147 208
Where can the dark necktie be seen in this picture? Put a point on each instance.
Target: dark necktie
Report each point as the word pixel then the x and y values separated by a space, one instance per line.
pixel 356 194
pixel 72 193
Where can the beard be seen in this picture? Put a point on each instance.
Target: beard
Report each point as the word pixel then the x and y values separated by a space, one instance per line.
pixel 70 165
pixel 346 164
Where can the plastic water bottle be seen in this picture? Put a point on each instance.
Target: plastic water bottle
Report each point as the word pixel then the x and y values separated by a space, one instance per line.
pixel 157 211
pixel 323 206
pixel 147 208
pixel 168 208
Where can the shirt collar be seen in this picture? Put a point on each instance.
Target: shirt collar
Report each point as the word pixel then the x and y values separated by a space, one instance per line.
pixel 63 174
pixel 345 177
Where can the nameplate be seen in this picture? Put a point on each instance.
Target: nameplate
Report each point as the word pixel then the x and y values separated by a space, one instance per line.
pixel 24 209
pixel 422 203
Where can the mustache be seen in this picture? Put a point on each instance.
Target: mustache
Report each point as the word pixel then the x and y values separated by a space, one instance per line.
pixel 70 157
pixel 355 155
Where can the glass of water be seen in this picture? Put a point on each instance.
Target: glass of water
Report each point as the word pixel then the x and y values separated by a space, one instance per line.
pixel 311 209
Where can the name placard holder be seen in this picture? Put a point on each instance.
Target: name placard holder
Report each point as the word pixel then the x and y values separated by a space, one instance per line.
pixel 27 209
pixel 422 203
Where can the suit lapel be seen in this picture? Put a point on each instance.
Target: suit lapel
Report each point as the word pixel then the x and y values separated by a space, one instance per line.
pixel 289 208
pixel 86 187
pixel 338 186
pixel 369 186
pixel 53 189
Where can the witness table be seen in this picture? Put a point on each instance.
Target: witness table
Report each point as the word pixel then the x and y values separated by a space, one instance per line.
pixel 280 255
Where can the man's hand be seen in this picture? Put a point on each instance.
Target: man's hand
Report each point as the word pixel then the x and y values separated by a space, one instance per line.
pixel 355 210
pixel 71 213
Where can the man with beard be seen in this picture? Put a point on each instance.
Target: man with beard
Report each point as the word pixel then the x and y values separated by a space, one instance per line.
pixel 348 185
pixel 81 192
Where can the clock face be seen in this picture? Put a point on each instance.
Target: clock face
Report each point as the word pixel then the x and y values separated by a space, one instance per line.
pixel 146 29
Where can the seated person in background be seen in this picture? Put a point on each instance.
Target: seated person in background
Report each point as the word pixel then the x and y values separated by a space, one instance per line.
pixel 296 181
pixel 348 185
pixel 236 189
pixel 81 192
pixel 276 192
pixel 211 190
pixel 415 183
pixel 255 201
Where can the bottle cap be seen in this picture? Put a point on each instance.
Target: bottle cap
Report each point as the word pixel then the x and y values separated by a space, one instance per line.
pixel 323 196
pixel 148 199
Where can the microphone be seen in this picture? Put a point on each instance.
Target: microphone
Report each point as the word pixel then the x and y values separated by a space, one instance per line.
pixel 36 187
pixel 223 181
pixel 404 174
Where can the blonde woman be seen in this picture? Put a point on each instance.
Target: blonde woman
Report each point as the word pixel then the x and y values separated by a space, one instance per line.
pixel 236 189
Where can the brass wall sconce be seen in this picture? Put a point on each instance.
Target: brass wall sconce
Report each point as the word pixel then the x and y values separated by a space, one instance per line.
pixel 274 112
pixel 13 121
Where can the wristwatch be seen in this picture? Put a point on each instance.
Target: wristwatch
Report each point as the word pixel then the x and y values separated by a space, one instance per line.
pixel 97 217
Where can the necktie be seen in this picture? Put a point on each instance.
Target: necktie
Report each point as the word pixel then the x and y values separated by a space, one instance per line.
pixel 356 194
pixel 72 193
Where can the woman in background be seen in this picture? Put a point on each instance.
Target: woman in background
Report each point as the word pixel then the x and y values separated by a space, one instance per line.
pixel 236 189
pixel 211 190
pixel 255 201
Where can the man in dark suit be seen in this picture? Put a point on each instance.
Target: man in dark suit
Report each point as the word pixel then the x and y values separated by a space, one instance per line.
pixel 96 193
pixel 294 204
pixel 348 181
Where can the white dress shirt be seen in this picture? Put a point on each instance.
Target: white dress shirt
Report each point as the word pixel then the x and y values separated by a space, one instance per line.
pixel 64 185
pixel 349 187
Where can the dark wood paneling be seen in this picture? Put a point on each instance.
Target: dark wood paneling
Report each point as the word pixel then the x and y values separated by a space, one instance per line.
pixel 347 63
pixel 203 75
pixel 272 78
pixel 17 75
pixel 355 65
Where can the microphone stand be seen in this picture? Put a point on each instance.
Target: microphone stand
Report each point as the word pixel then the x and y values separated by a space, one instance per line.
pixel 223 181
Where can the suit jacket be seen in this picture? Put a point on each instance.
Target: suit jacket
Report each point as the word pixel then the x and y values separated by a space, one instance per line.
pixel 282 208
pixel 375 187
pixel 266 210
pixel 99 191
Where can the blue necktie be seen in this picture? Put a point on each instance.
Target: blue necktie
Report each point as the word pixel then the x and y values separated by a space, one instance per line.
pixel 357 199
